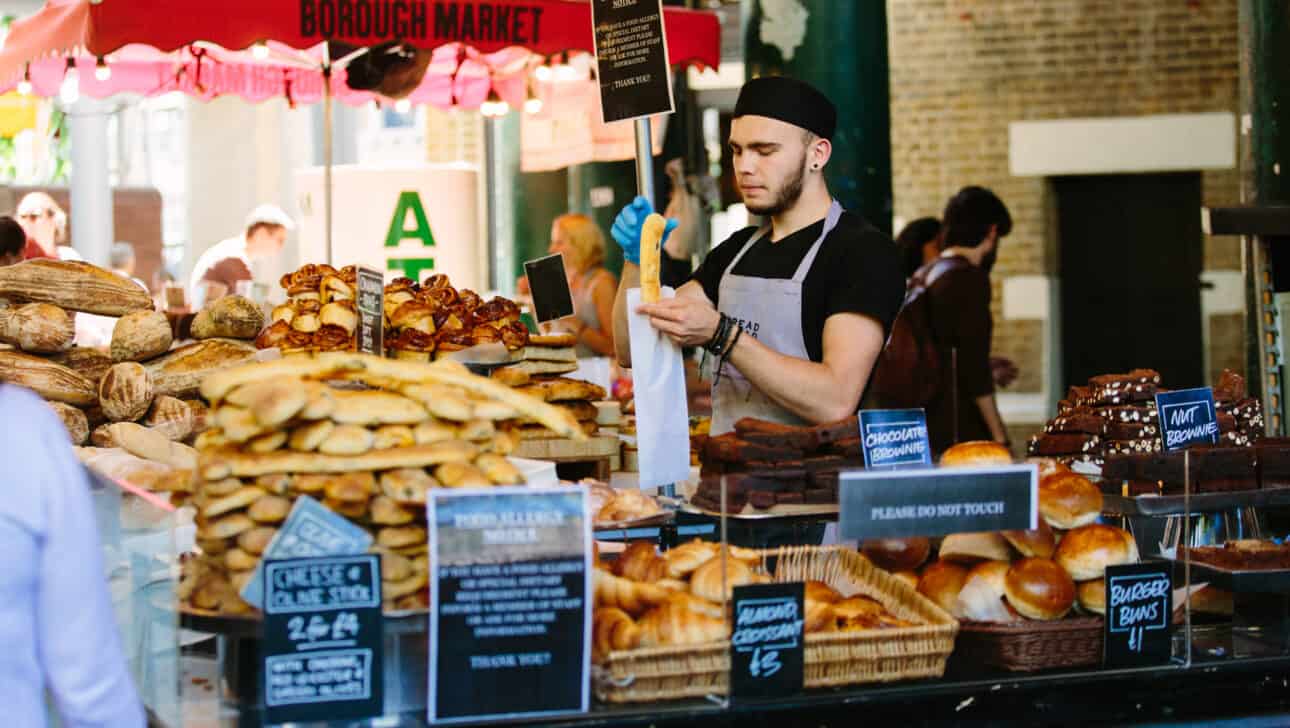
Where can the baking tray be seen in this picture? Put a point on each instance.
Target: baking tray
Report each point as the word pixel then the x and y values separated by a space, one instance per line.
pixel 1265 581
pixel 780 511
pixel 1173 505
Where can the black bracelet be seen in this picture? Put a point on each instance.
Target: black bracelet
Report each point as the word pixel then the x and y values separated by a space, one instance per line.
pixel 719 336
pixel 739 331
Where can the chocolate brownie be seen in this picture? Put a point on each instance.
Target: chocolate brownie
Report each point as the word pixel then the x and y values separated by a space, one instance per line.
pixel 729 449
pixel 762 499
pixel 820 495
pixel 1230 387
pixel 1064 444
pixel 1273 457
pixel 1078 421
pixel 1141 487
pixel 838 431
pixel 1078 396
pixel 849 447
pixel 1131 447
pixel 789 498
pixel 1113 430
pixel 1123 467
pixel 1129 414
pixel 774 434
pixel 824 462
pixel 823 480
pixel 1135 376
pixel 1119 393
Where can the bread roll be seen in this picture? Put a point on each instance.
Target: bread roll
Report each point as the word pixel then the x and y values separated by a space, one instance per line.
pixel 77 424
pixel 941 582
pixel 1039 589
pixel 49 380
pixel 256 540
pixel 171 417
pixel 461 475
pixel 230 317
pixel 407 486
pixel 1086 551
pixel 1069 500
pixel 88 362
pixel 973 547
pixel 38 328
pixel 273 402
pixel 982 596
pixel 1040 542
pixel 125 392
pixel 140 335
pixel 73 285
pixel 150 445
pixel 974 453
pixel 897 554
pixel 1048 466
pixel 1092 596
pixel 180 372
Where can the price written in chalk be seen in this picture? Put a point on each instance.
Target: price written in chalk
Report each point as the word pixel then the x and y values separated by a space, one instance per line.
pixel 766 646
pixel 1139 607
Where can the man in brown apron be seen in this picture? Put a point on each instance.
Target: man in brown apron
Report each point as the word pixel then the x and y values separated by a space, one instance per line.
pixel 796 311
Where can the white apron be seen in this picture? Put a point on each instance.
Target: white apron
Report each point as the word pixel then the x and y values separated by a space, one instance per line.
pixel 769 310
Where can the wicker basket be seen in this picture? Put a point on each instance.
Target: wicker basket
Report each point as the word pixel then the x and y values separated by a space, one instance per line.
pixel 1030 646
pixel 842 658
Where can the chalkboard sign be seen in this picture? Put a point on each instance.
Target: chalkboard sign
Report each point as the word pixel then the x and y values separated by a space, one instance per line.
pixel 766 648
pixel 310 530
pixel 549 286
pixel 1139 614
pixel 894 438
pixel 631 59
pixel 323 640
pixel 371 311
pixel 1187 417
pixel 510 603
pixel 905 503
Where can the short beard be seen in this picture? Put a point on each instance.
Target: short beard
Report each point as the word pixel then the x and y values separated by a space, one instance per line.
pixel 789 194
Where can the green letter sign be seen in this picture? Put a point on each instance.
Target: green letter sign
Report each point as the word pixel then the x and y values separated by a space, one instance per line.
pixel 409 200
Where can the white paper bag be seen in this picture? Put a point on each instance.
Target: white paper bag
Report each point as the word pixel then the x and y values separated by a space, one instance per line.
pixel 662 410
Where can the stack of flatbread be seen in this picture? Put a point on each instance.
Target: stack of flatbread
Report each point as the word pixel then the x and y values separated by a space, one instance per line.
pixel 366 436
pixel 545 355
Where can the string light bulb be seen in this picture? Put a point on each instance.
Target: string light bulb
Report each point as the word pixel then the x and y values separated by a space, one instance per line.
pixel 403 106
pixel 532 104
pixel 544 73
pixel 24 86
pixel 70 91
pixel 260 51
pixel 101 70
pixel 494 107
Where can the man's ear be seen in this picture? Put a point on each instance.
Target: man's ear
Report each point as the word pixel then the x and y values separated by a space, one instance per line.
pixel 821 151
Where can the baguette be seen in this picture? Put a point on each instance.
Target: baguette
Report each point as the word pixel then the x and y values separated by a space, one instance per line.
pixel 224 463
pixel 73 285
pixel 651 240
pixel 232 317
pixel 51 381
pixel 77 424
pixel 151 445
pixel 180 373
pixel 89 363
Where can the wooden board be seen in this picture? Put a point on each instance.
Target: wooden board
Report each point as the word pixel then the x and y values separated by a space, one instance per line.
pixel 566 449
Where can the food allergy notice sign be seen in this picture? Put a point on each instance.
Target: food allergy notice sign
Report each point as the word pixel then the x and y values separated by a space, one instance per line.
pixel 631 56
pixel 322 639
pixel 510 603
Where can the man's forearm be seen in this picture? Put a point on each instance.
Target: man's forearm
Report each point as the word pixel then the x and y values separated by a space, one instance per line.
pixel 990 413
pixel 810 390
pixel 631 278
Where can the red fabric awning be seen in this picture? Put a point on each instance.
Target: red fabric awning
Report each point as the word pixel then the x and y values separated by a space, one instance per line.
pixel 99 27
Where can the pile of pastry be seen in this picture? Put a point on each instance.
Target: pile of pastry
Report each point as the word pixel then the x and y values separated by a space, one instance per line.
pixel 644 599
pixel 577 398
pixel 138 395
pixel 366 436
pixel 421 321
pixel 1017 575
pixel 619 506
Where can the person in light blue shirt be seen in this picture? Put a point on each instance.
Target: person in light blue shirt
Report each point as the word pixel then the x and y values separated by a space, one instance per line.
pixel 57 631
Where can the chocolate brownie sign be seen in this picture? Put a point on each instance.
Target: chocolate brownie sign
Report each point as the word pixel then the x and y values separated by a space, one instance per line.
pixel 1187 417
pixel 905 503
pixel 894 438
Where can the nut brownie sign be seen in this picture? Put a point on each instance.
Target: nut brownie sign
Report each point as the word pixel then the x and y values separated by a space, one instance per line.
pixel 421 21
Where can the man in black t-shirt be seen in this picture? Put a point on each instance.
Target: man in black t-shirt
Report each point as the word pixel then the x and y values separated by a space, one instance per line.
pixel 796 311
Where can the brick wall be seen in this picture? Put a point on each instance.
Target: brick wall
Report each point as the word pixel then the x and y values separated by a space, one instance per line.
pixel 962 70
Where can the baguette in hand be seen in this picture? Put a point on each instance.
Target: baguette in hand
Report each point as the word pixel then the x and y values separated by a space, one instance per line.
pixel 651 244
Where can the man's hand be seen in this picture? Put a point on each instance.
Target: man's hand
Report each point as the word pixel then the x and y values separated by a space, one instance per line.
pixel 686 321
pixel 626 230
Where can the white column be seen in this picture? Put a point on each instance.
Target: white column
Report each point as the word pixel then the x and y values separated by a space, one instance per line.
pixel 91 188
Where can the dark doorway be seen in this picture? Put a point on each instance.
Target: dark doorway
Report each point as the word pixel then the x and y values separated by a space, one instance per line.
pixel 1131 255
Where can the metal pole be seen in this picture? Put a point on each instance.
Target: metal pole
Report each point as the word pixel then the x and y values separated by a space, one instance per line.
pixel 644 161
pixel 499 192
pixel 327 156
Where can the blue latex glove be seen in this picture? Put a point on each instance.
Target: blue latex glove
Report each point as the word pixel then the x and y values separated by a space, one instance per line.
pixel 627 228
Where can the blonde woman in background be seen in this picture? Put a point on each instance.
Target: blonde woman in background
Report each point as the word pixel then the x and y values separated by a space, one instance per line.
pixel 46 226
